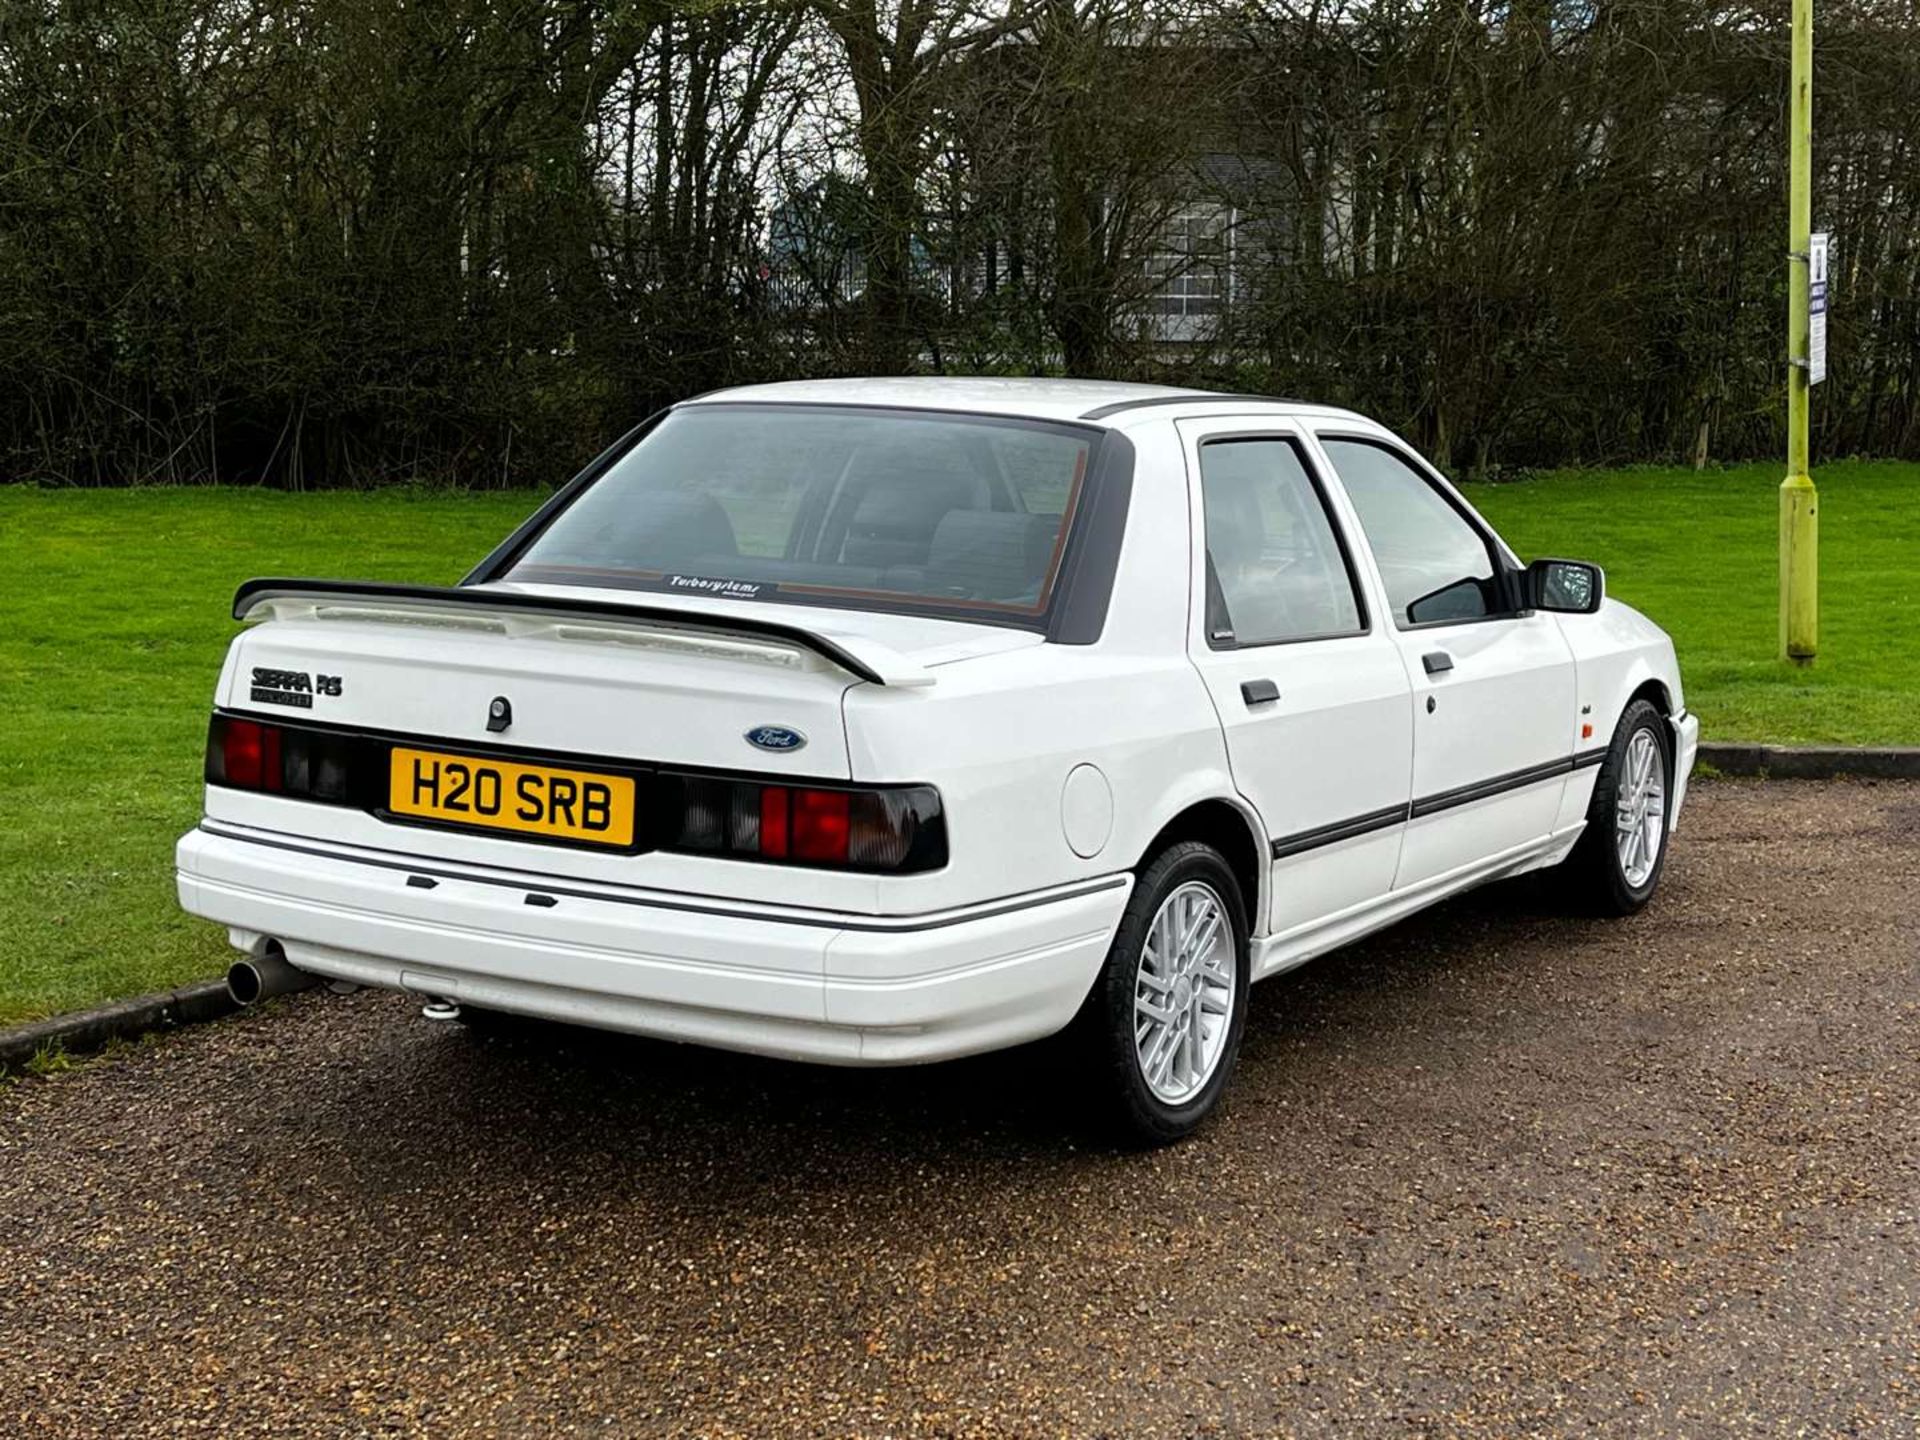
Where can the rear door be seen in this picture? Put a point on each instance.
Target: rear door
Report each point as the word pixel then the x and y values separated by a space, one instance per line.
pixel 1309 687
pixel 1494 690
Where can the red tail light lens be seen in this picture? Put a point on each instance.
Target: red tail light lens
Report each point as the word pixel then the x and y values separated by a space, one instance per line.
pixel 773 822
pixel 240 753
pixel 244 754
pixel 820 826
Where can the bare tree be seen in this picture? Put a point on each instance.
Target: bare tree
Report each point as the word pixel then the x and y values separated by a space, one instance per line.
pixel 309 242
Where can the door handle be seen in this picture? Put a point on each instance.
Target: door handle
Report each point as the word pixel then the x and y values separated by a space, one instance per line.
pixel 1438 662
pixel 1259 692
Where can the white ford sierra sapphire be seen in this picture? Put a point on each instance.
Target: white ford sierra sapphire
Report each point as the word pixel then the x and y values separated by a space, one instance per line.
pixel 874 722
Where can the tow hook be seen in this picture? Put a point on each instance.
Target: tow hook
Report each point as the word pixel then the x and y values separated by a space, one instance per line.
pixel 439 1008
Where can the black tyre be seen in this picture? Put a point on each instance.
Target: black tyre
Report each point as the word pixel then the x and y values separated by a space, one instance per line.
pixel 1616 866
pixel 1161 1029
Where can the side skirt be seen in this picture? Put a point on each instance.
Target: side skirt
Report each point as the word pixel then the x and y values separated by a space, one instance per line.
pixel 1276 954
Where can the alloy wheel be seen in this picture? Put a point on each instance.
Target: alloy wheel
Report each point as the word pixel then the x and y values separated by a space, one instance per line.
pixel 1184 993
pixel 1640 809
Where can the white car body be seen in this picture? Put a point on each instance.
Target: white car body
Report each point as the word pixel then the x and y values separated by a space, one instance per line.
pixel 1368 790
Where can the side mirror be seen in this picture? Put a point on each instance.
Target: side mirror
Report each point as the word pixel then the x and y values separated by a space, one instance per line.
pixel 1571 587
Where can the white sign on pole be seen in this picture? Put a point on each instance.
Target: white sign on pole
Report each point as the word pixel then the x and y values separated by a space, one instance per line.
pixel 1817 310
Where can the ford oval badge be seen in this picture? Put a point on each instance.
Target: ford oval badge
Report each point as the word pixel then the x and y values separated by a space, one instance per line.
pixel 775 737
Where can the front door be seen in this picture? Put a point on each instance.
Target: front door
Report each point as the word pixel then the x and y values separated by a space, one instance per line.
pixel 1494 691
pixel 1309 686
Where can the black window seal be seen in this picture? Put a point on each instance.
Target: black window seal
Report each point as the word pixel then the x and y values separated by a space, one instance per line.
pixel 1195 397
pixel 1090 560
pixel 1497 548
pixel 1084 586
pixel 1317 482
pixel 932 412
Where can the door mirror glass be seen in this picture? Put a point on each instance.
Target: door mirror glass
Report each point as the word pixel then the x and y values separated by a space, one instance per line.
pixel 1571 587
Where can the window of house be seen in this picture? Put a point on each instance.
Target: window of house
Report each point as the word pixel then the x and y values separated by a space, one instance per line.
pixel 1191 264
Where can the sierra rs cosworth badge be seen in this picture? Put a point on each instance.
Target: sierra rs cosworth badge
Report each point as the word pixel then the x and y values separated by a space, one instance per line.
pixel 292 688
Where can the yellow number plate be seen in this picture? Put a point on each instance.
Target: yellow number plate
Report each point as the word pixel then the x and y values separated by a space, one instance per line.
pixel 501 795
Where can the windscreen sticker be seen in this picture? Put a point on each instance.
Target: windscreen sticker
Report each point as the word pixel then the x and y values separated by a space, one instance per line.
pixel 710 585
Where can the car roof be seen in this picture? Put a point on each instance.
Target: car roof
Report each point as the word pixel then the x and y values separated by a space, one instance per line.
pixel 1108 402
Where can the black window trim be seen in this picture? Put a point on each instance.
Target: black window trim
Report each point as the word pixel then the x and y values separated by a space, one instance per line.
pixel 1317 482
pixel 1189 397
pixel 1076 611
pixel 1504 574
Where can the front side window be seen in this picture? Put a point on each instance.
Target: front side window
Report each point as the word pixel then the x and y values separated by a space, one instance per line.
pixel 828 505
pixel 1436 564
pixel 1275 570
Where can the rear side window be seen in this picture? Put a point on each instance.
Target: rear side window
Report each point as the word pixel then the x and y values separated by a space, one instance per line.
pixel 1437 566
pixel 1275 569
pixel 939 511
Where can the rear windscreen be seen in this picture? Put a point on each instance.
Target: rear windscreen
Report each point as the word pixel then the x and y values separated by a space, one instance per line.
pixel 941 511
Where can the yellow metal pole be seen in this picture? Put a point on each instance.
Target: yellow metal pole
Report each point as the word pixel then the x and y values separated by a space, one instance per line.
pixel 1799 522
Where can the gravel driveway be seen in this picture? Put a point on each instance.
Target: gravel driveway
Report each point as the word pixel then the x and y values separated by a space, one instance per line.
pixel 1494 1172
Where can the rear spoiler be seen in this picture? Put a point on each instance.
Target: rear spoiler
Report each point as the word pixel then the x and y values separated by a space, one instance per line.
pixel 857 655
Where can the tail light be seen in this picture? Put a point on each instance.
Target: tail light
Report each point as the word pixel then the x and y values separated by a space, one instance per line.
pixel 898 829
pixel 247 754
pixel 894 830
pixel 244 754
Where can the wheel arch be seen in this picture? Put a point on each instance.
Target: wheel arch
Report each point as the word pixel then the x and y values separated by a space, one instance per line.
pixel 1653 690
pixel 1232 829
pixel 1656 693
pixel 1613 682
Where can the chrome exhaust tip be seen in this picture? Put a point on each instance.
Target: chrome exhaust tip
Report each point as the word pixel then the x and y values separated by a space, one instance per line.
pixel 265 973
pixel 440 1009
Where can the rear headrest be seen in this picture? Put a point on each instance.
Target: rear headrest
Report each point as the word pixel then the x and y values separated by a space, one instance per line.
pixel 894 525
pixel 667 528
pixel 995 554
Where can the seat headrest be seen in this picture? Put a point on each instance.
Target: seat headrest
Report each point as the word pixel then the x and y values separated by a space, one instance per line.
pixel 665 529
pixel 993 554
pixel 894 525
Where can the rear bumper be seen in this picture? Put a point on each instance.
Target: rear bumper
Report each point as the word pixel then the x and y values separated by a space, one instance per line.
pixel 843 989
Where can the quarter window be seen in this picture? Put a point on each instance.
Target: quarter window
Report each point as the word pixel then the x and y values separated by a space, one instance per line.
pixel 1436 565
pixel 1275 569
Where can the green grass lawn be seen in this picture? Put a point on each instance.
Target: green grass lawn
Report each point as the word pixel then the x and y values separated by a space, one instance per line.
pixel 113 618
pixel 1698 552
pixel 114 613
